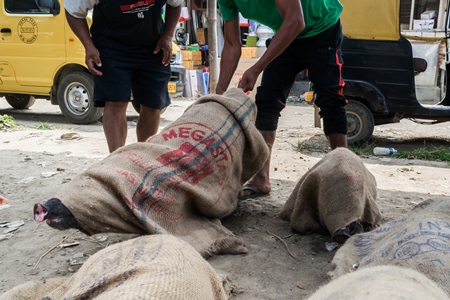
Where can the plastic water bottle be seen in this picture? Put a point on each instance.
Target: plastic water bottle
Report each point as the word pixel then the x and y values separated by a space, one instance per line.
pixel 384 151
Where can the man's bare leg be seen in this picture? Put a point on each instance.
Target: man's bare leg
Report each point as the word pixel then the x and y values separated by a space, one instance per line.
pixel 148 123
pixel 115 124
pixel 261 180
pixel 337 139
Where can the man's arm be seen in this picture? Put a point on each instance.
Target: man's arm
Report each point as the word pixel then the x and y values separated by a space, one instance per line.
pixel 231 54
pixel 81 30
pixel 165 41
pixel 292 13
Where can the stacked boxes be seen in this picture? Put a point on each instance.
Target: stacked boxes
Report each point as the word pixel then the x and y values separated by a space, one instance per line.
pixel 192 60
pixel 427 21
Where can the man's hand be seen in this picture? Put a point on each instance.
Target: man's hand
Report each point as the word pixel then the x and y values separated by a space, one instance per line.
pixel 164 44
pixel 93 60
pixel 81 29
pixel 249 78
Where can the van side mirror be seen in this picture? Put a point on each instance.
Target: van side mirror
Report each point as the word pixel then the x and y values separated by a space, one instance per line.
pixel 53 5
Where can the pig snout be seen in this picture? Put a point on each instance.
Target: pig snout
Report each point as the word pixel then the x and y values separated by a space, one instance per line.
pixel 39 212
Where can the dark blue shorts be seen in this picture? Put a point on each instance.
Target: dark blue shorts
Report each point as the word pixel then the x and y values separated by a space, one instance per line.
pixel 124 73
pixel 321 56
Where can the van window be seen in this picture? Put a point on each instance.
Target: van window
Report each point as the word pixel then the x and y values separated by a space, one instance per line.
pixel 25 7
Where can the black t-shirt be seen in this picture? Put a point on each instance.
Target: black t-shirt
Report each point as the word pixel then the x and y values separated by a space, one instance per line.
pixel 127 25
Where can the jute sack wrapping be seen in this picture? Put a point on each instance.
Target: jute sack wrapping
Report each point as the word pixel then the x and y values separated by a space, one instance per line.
pixel 381 282
pixel 420 241
pixel 180 181
pixel 335 192
pixel 161 267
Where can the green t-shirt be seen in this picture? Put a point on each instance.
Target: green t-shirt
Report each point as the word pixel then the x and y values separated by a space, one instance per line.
pixel 319 14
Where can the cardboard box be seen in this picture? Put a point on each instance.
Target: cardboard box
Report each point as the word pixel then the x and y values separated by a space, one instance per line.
pixel 249 52
pixel 244 65
pixel 428 15
pixel 197 83
pixel 202 87
pixel 187 92
pixel 191 55
pixel 192 64
pixel 192 79
pixel 202 36
pixel 423 24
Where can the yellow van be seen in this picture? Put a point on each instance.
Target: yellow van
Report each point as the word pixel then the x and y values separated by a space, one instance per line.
pixel 40 57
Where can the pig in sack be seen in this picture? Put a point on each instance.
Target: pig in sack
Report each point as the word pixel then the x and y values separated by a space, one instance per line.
pixel 337 196
pixel 181 181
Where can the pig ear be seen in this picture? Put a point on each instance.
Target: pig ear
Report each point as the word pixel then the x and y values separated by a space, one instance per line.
pixel 39 213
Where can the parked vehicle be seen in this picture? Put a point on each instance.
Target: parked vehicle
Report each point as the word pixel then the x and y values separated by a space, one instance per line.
pixel 391 73
pixel 41 57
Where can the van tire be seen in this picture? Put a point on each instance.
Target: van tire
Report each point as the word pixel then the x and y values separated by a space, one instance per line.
pixel 20 101
pixel 75 96
pixel 360 123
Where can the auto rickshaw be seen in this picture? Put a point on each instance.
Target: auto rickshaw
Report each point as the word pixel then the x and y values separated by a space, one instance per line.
pixel 393 73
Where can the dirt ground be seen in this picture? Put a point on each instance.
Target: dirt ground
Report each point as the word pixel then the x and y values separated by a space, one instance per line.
pixel 35 163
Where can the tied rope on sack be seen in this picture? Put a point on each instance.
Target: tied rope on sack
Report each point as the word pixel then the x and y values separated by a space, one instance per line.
pixel 335 192
pixel 159 267
pixel 420 241
pixel 181 181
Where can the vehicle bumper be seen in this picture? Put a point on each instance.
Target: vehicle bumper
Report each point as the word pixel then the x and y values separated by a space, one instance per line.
pixel 178 75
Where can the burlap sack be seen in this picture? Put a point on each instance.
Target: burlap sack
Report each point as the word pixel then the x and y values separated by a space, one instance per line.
pixel 335 192
pixel 420 241
pixel 160 267
pixel 381 282
pixel 181 181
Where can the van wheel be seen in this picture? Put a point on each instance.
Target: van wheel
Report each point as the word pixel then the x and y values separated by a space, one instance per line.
pixel 75 96
pixel 20 101
pixel 360 123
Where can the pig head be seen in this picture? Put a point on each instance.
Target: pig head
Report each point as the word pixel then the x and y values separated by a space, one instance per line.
pixel 55 214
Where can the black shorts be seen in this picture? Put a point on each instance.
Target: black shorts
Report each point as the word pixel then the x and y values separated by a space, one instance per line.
pixel 123 73
pixel 321 56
